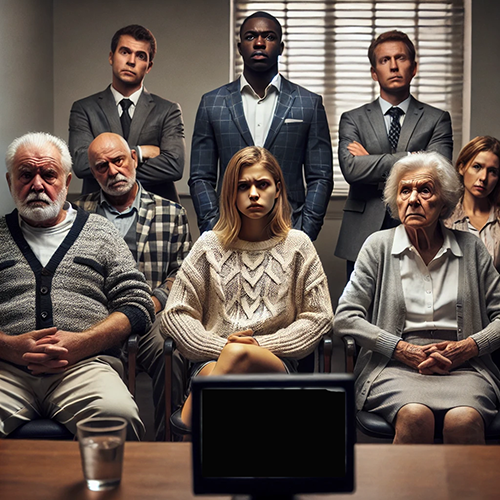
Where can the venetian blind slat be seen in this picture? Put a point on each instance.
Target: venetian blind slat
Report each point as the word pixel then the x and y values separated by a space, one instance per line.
pixel 326 45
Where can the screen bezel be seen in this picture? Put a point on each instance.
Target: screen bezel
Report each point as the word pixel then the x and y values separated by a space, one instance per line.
pixel 269 486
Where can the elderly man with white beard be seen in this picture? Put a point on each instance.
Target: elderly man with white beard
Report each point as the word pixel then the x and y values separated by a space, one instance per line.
pixel 69 292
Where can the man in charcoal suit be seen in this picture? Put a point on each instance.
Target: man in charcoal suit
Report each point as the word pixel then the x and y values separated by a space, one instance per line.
pixel 152 126
pixel 373 137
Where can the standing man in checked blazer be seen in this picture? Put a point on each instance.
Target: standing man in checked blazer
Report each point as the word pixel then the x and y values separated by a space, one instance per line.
pixel 152 126
pixel 375 136
pixel 264 109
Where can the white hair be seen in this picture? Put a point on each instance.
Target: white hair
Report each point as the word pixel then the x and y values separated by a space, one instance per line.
pixel 441 169
pixel 38 139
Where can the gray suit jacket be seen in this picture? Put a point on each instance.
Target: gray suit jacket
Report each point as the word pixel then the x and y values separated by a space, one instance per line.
pixel 299 138
pixel 425 128
pixel 156 122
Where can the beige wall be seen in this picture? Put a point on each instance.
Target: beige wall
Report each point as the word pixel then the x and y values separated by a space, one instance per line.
pixel 192 57
pixel 57 53
pixel 26 82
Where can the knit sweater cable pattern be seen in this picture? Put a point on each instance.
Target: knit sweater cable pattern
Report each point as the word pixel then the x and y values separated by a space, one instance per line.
pixel 276 287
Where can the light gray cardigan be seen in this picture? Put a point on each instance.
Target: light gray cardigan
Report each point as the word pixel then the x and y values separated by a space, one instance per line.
pixel 372 309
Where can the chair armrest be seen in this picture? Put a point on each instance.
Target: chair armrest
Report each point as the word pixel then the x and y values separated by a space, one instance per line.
pixel 132 347
pixel 350 351
pixel 325 352
pixel 168 350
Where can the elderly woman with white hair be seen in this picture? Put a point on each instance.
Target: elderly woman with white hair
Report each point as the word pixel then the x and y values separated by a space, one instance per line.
pixel 424 305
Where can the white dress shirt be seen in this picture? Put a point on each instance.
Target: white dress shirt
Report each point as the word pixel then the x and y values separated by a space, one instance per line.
pixel 134 98
pixel 259 111
pixel 386 106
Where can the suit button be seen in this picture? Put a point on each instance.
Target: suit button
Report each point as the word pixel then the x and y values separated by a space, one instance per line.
pixel 44 314
pixel 44 290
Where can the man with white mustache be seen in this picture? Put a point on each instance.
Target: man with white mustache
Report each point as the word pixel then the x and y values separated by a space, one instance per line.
pixel 156 231
pixel 69 292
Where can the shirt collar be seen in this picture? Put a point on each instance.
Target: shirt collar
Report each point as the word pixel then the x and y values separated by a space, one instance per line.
pixel 135 204
pixel 386 106
pixel 246 87
pixel 459 214
pixel 133 97
pixel 402 243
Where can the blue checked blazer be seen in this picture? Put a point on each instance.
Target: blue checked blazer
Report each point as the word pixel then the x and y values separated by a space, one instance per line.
pixel 299 138
pixel 163 238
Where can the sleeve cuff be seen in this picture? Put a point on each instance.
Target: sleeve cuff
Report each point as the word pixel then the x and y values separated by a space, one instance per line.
pixel 140 322
pixel 161 295
pixel 386 343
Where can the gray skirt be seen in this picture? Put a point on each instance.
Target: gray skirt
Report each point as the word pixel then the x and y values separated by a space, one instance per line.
pixel 398 385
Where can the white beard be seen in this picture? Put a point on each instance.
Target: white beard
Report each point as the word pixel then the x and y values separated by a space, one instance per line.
pixel 124 189
pixel 40 213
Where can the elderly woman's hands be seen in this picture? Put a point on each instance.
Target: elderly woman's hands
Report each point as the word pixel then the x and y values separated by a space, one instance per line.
pixel 435 358
pixel 456 353
pixel 414 356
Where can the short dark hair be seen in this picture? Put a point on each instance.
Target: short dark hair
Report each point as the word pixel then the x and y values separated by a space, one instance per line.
pixel 139 33
pixel 265 15
pixel 391 36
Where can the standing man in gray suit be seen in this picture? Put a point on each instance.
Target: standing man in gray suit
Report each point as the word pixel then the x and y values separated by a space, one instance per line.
pixel 375 136
pixel 152 126
pixel 262 108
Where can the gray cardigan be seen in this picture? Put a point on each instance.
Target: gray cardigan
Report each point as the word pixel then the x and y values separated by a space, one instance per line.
pixel 91 275
pixel 372 309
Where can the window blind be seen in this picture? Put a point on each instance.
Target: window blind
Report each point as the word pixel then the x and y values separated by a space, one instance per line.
pixel 326 46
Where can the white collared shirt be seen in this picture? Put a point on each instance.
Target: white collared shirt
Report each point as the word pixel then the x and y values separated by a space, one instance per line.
pixel 386 106
pixel 133 97
pixel 430 292
pixel 259 111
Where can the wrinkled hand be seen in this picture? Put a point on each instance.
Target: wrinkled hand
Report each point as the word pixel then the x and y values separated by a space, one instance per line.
pixel 357 149
pixel 244 337
pixel 409 354
pixel 64 347
pixel 447 355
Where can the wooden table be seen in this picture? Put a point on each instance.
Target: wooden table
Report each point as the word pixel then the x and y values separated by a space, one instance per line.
pixel 51 470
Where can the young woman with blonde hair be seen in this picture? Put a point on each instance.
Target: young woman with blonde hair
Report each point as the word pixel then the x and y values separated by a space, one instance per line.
pixel 252 295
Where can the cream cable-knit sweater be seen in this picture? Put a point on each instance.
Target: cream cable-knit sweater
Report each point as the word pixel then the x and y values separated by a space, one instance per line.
pixel 276 287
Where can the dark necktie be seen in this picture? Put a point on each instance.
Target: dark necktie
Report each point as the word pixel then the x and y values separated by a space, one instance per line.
pixel 125 118
pixel 395 128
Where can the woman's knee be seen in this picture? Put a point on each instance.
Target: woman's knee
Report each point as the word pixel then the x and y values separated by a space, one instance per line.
pixel 235 357
pixel 463 424
pixel 415 414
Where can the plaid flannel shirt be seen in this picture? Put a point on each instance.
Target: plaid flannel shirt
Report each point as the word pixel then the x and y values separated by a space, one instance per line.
pixel 163 238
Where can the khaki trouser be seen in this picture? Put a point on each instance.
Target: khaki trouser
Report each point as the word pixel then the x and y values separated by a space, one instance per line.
pixel 91 388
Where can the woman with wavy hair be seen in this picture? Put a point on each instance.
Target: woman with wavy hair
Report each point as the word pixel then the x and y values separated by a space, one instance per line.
pixel 252 295
pixel 478 166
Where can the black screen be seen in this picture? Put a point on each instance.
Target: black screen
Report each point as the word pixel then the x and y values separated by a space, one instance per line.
pixel 273 432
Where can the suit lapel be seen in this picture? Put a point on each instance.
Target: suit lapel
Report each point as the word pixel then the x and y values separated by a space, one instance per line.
pixel 376 119
pixel 107 103
pixel 415 111
pixel 235 106
pixel 283 106
pixel 145 105
pixel 144 219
